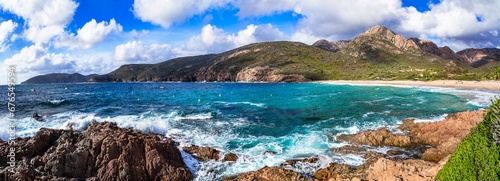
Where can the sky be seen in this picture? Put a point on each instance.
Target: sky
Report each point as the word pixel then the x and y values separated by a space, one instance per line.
pixel 98 36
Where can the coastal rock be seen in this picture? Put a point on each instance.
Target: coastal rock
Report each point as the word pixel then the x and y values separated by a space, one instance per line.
pixel 442 141
pixel 387 169
pixel 379 137
pixel 104 152
pixel 266 74
pixel 268 174
pixel 336 172
pixel 348 149
pixel 208 153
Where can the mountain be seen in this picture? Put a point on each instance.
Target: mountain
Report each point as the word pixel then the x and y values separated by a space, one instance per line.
pixel 59 78
pixel 271 61
pixel 378 53
pixel 472 57
pixel 479 57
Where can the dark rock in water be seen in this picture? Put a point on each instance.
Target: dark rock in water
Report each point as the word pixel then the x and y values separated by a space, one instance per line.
pixel 292 163
pixel 102 152
pixel 230 157
pixel 395 152
pixel 269 153
pixel 208 153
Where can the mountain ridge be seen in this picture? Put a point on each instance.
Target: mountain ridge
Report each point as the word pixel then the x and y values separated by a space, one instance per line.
pixel 378 53
pixel 59 78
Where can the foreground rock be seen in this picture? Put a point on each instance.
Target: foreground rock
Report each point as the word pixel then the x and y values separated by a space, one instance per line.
pixel 443 137
pixel 102 152
pixel 270 174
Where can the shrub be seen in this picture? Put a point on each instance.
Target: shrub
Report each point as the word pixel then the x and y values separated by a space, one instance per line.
pixel 478 156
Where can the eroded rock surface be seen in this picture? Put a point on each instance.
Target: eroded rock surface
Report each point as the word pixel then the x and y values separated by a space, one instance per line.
pixel 208 153
pixel 103 152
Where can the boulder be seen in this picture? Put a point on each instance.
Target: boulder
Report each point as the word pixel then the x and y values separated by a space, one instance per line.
pixel 208 153
pixel 102 152
pixel 270 174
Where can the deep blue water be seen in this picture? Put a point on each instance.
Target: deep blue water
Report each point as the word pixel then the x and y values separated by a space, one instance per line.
pixel 295 120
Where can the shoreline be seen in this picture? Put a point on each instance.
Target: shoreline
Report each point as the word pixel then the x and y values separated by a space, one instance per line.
pixel 479 85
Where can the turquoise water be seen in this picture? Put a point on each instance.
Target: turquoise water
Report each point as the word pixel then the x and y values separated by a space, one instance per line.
pixel 295 120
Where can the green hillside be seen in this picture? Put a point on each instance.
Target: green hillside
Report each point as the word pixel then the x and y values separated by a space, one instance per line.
pixel 478 156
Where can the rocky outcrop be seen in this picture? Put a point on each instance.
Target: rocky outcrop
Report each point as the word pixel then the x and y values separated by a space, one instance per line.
pixel 270 174
pixel 102 152
pixel 331 46
pixel 479 57
pixel 208 153
pixel 411 169
pixel 388 35
pixel 433 141
pixel 266 74
pixel 442 141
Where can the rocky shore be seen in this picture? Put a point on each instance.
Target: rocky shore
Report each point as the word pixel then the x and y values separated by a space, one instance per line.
pixel 102 152
pixel 417 151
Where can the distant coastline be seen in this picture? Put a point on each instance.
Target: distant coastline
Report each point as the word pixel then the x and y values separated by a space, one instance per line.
pixel 484 85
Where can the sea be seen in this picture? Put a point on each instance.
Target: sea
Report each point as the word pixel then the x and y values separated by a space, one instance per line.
pixel 265 124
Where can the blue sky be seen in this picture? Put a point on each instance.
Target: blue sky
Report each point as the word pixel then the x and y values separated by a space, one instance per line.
pixel 97 36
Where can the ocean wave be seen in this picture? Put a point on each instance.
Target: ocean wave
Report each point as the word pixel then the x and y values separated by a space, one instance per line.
pixel 200 116
pixel 480 98
pixel 247 103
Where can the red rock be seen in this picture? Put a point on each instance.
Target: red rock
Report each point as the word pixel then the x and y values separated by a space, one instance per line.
pixel 102 152
pixel 208 153
pixel 269 174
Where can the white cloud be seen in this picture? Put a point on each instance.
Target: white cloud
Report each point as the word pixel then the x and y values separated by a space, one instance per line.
pixel 36 58
pixel 249 8
pixel 44 19
pixel 137 52
pixel 453 18
pixel 455 21
pixel 215 40
pixel 138 34
pixel 167 12
pixel 90 34
pixel 6 29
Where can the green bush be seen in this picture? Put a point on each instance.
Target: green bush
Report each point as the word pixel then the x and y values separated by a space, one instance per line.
pixel 478 156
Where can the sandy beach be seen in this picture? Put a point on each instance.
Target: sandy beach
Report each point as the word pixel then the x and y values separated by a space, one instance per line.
pixel 484 85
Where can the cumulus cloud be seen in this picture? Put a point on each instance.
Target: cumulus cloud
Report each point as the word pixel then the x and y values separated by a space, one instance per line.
pixel 6 29
pixel 90 34
pixel 167 12
pixel 215 40
pixel 44 19
pixel 449 21
pixel 36 58
pixel 249 8
pixel 138 34
pixel 457 22
pixel 138 52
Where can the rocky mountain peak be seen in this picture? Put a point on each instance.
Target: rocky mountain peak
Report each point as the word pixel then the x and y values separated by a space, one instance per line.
pixel 380 30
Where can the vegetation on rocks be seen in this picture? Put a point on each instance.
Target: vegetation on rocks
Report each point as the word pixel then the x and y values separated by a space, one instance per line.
pixel 478 156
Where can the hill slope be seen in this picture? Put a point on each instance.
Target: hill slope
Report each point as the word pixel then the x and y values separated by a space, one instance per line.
pixel 378 53
pixel 58 78
pixel 478 156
